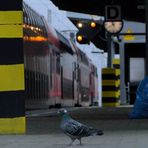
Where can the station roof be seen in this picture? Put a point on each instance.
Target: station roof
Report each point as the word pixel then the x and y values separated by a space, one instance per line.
pixel 132 10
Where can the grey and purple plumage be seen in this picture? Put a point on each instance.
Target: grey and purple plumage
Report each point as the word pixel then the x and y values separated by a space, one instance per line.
pixel 74 129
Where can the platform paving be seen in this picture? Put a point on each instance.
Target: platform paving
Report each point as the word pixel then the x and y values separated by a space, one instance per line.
pixel 119 132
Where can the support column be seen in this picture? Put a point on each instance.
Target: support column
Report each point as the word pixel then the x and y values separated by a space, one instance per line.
pixel 110 87
pixel 12 90
pixel 110 51
pixel 122 74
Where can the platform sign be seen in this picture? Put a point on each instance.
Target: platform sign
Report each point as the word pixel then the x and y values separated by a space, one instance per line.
pixel 112 13
pixel 129 36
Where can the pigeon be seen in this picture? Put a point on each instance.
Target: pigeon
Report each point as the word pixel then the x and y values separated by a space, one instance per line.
pixel 74 129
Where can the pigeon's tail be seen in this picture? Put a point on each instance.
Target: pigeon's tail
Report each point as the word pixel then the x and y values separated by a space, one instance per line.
pixel 99 132
pixel 96 132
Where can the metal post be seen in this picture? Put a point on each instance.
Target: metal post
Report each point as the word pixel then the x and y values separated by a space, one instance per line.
pixel 122 74
pixel 109 50
pixel 146 38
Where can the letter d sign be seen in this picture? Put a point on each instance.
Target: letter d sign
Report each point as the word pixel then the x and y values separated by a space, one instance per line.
pixel 112 13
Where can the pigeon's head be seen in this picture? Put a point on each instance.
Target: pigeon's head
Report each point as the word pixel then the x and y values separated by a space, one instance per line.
pixel 62 111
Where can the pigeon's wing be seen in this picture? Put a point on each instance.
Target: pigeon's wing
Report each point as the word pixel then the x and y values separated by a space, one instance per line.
pixel 74 128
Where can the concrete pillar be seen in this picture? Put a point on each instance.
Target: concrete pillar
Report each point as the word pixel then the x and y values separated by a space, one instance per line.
pixel 12 94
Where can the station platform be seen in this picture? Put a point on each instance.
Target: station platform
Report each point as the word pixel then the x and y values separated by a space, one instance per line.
pixel 43 129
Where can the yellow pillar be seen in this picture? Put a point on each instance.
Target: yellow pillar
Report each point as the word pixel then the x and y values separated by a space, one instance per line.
pixel 12 90
pixel 110 87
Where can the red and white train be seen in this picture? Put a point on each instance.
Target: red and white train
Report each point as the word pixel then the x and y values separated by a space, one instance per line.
pixel 57 72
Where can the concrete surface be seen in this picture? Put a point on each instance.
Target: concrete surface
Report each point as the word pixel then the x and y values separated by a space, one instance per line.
pixel 119 132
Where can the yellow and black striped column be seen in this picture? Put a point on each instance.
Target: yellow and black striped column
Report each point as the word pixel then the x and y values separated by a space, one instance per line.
pixel 12 101
pixel 116 63
pixel 110 87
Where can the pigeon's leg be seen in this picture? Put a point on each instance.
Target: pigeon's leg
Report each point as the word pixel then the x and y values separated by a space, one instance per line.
pixel 72 140
pixel 80 141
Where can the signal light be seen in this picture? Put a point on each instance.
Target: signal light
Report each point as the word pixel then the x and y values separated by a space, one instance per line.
pixel 79 38
pixel 82 39
pixel 93 25
pixel 80 25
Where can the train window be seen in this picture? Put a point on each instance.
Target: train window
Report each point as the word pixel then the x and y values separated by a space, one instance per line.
pixel 39 21
pixel 96 73
pixel 24 13
pixel 25 9
pixel 32 18
pixel 35 16
pixel 51 71
pixel 83 57
pixel 65 46
pixel 77 72
pixel 43 27
pixel 35 19
pixel 58 63
pixel 27 13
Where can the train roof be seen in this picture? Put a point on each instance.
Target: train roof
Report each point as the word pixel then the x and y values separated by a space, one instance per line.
pixel 33 19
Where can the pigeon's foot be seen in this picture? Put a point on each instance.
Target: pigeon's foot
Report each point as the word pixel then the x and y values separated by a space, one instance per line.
pixel 80 144
pixel 69 144
pixel 72 140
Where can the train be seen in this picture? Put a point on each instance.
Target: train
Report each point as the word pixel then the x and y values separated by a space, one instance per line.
pixel 57 72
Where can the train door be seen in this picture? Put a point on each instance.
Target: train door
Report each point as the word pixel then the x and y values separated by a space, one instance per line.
pixel 55 78
pixel 75 83
pixel 51 80
pixel 58 80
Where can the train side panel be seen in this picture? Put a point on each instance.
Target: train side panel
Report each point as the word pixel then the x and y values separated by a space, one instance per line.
pixel 40 69
pixel 57 72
